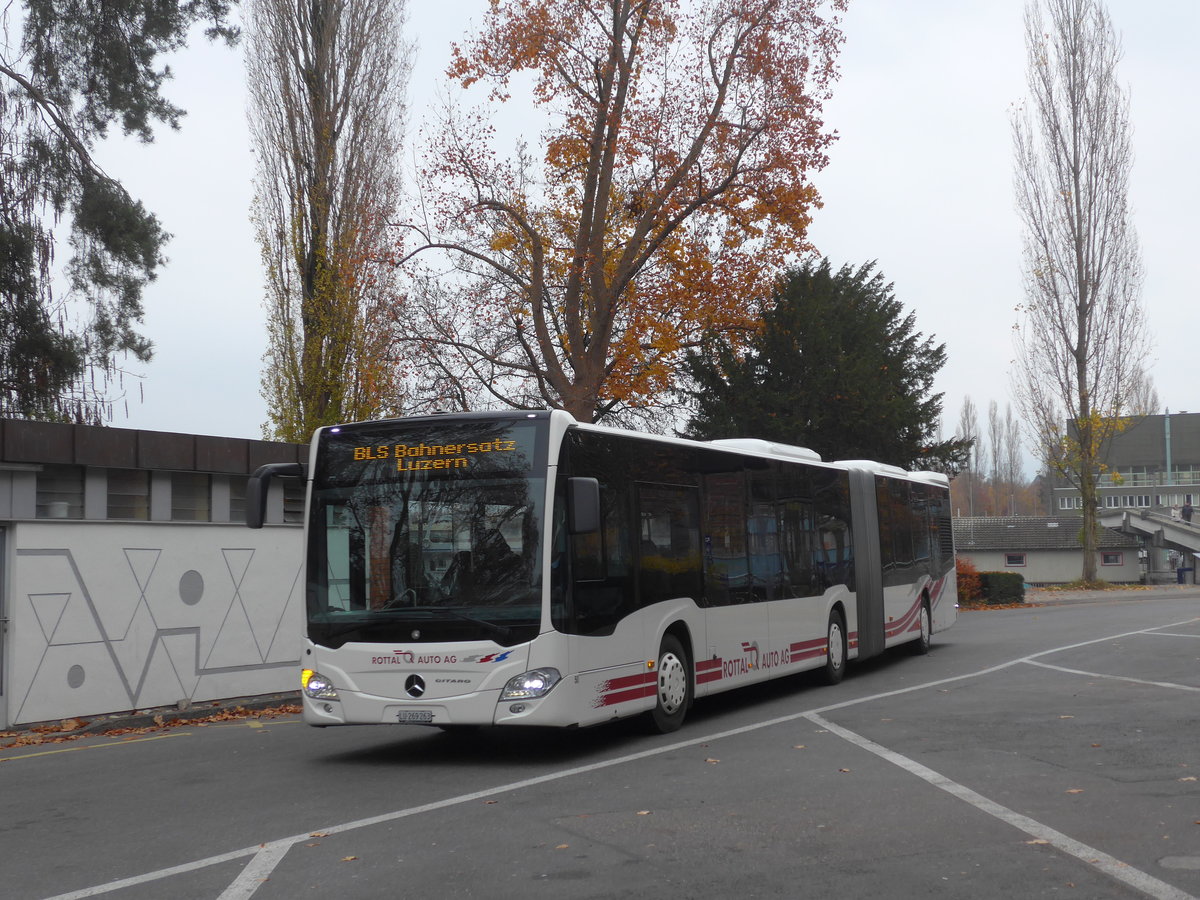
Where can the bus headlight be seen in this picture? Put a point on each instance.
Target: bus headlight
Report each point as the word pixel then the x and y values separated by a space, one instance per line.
pixel 531 685
pixel 317 686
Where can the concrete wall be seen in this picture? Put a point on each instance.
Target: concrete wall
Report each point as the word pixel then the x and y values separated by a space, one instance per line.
pixel 113 616
pixel 1056 566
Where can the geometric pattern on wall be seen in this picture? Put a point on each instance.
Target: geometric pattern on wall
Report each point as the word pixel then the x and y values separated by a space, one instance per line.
pixel 151 626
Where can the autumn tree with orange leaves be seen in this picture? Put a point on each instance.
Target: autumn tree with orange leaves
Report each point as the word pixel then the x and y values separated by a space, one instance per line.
pixel 668 188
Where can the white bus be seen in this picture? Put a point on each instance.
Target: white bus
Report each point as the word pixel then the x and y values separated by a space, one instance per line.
pixel 514 568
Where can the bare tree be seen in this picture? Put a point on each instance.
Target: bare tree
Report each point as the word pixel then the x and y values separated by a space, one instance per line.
pixel 968 432
pixel 670 186
pixel 1143 397
pixel 1083 331
pixel 327 85
pixel 1012 462
pixel 995 457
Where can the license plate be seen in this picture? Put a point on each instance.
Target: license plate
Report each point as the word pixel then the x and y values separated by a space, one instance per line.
pixel 415 716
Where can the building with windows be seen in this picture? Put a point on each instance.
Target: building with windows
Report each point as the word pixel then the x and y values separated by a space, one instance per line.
pixel 1045 550
pixel 1153 465
pixel 127 579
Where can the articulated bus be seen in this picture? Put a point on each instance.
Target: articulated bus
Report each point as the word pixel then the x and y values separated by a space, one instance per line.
pixel 522 568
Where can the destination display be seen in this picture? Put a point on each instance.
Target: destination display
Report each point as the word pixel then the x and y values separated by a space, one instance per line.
pixel 384 451
pixel 419 457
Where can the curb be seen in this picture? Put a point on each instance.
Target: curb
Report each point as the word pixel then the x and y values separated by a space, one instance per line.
pixel 160 715
pixel 1134 594
pixel 144 718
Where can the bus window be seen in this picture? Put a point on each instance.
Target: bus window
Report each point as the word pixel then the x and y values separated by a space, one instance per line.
pixel 923 526
pixel 601 586
pixel 834 555
pixel 797 532
pixel 726 570
pixel 762 537
pixel 669 543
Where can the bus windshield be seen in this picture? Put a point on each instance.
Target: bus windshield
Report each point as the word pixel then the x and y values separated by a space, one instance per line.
pixel 427 531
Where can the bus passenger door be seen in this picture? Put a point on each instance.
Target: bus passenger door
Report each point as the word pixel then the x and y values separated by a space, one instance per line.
pixel 594 574
pixel 737 645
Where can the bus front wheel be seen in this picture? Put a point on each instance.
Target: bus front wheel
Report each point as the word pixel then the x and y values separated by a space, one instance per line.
pixel 835 650
pixel 673 691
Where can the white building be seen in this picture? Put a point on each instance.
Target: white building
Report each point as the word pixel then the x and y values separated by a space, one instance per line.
pixel 127 579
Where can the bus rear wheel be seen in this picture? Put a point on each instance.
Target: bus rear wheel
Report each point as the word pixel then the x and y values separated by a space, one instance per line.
pixel 835 649
pixel 673 690
pixel 921 645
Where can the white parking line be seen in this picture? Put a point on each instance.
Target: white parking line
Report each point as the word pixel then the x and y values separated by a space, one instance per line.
pixel 266 857
pixel 257 870
pixel 1109 865
pixel 1182 634
pixel 1162 684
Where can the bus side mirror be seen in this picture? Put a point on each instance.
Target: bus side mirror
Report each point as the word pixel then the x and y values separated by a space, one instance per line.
pixel 583 505
pixel 259 486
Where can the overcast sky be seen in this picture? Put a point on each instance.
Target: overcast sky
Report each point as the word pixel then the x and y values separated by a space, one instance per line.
pixel 920 181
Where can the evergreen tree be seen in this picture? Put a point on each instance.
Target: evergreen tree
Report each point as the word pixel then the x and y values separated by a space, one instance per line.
pixel 80 68
pixel 836 367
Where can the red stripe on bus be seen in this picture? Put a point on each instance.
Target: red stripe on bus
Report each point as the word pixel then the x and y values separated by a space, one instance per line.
pixel 903 623
pixel 809 654
pixel 638 693
pixel 804 646
pixel 628 681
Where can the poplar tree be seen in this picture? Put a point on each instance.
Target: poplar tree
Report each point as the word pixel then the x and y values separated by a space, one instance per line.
pixel 1082 341
pixel 327 82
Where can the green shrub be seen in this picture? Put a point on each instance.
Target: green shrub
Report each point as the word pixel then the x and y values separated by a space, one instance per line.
pixel 999 588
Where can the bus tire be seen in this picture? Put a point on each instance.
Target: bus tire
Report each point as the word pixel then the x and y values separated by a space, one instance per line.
pixel 673 691
pixel 835 649
pixel 921 645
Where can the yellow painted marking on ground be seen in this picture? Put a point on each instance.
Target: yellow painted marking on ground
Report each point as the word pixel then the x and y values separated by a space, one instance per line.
pixel 115 743
pixel 256 723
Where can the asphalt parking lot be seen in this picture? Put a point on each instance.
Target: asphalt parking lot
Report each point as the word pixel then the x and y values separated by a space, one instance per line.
pixel 1036 752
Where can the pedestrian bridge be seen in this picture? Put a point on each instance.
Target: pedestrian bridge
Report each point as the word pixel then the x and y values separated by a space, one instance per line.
pixel 1164 532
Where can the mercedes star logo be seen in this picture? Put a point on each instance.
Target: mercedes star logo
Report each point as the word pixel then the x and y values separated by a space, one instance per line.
pixel 415 685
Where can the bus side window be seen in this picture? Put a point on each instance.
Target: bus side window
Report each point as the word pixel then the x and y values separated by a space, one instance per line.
pixel 762 539
pixel 602 589
pixel 726 569
pixel 797 533
pixel 669 535
pixel 834 557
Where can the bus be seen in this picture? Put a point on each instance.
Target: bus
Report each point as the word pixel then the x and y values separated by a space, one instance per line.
pixel 523 568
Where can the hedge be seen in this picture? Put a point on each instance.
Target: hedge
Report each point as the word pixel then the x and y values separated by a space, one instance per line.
pixel 999 588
